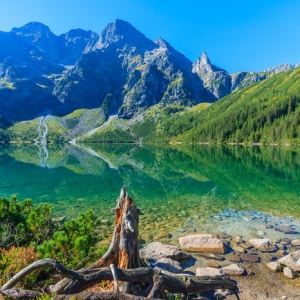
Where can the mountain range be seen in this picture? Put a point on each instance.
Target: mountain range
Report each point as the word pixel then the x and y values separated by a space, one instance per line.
pixel 41 72
pixel 80 78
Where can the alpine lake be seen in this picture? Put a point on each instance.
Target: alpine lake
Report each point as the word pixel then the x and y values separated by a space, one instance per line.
pixel 250 191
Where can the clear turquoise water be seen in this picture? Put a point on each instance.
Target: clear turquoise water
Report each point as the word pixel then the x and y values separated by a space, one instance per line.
pixel 169 183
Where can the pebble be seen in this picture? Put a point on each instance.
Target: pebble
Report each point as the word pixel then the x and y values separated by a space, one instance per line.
pixel 238 248
pixel 213 264
pixel 237 239
pixel 269 257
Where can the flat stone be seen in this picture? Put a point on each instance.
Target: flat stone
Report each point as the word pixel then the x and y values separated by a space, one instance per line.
pixel 274 266
pixel 246 245
pixel 281 253
pixel 213 264
pixel 261 233
pixel 250 257
pixel 157 250
pixel 201 242
pixel 286 229
pixel 237 248
pixel 233 257
pixel 288 273
pixel 263 245
pixel 292 261
pixel 295 242
pixel 237 239
pixel 234 270
pixel 208 272
pixel 168 264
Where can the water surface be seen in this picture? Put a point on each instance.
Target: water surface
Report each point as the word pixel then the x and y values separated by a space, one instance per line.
pixel 173 185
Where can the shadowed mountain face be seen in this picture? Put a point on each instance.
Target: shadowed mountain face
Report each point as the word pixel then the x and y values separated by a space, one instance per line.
pixel 41 72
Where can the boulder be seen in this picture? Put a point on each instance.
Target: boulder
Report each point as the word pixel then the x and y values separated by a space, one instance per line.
pixel 208 272
pixel 233 270
pixel 201 243
pixel 288 273
pixel 168 264
pixel 274 266
pixel 157 251
pixel 263 245
pixel 291 260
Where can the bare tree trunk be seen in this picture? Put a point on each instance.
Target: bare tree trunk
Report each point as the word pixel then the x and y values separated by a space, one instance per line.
pixel 124 248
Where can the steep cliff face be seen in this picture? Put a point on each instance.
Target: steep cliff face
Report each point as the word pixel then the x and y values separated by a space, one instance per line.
pixel 216 80
pixel 136 71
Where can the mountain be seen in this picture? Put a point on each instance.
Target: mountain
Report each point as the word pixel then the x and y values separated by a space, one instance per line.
pixel 267 112
pixel 119 70
pixel 73 82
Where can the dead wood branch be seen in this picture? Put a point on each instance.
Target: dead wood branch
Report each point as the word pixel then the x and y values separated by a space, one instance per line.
pixel 42 263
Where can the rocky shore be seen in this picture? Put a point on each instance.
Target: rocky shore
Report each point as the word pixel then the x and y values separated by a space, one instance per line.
pixel 263 269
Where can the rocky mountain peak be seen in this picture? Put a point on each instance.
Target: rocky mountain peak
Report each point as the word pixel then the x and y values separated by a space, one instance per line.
pixel 162 43
pixel 120 30
pixel 32 28
pixel 204 59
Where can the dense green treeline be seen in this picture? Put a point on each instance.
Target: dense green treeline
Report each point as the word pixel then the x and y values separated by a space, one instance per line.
pixel 266 112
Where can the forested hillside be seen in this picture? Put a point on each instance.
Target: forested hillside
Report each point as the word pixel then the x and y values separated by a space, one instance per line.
pixel 266 112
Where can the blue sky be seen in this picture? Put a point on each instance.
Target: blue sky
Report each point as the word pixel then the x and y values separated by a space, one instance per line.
pixel 237 35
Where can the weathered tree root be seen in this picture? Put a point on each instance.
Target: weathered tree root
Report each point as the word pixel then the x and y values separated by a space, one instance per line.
pixel 173 284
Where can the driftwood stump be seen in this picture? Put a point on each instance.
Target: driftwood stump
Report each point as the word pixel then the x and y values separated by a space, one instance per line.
pixel 121 263
pixel 123 251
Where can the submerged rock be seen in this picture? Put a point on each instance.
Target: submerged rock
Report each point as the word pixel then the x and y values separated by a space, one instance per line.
pixel 295 242
pixel 157 251
pixel 250 257
pixel 202 243
pixel 292 261
pixel 263 245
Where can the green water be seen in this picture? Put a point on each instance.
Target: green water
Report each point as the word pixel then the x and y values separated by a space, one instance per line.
pixel 169 183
